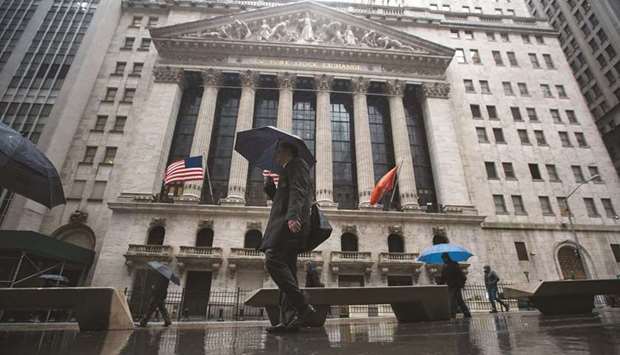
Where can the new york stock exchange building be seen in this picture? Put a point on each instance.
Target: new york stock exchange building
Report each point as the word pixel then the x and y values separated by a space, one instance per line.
pixel 480 111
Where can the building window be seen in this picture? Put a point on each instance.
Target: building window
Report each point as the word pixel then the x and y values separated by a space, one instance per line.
pixel 499 12
pixel 498 133
pixel 552 171
pixel 504 37
pixel 120 68
pixel 611 52
pixel 484 87
pixel 512 59
pixel 98 191
pixel 601 61
pixel 578 173
pixel 446 7
pixel 478 10
pixel 593 170
pixel 137 69
pixel 545 205
pixel 482 135
pixel 77 189
pixel 591 207
pixel 561 91
pixel 110 94
pixel 145 43
pixel 548 61
pixel 110 154
pixel 546 90
pixel 610 212
pixel 500 204
pixel 466 9
pixel 492 112
pixel 565 140
pixel 615 249
pixel 475 112
pixel 581 140
pixel 343 152
pixel 531 114
pixel 534 171
pixel 469 35
pixel 129 41
pixel 128 95
pixel 348 242
pixel 119 124
pixel 540 138
pixel 491 36
pixel 572 118
pixel 153 20
pixel 475 56
pixel 593 45
pixel 611 78
pixel 555 115
pixel 509 171
pixel 469 86
pixel 136 21
pixel 516 114
pixel 524 137
pixel 540 40
pixel 459 54
pixel 434 7
pixel 89 155
pixel 534 60
pixel 507 88
pixel 100 123
pixel 517 204
pixel 510 12
pixel 526 39
pixel 381 135
pixel 497 56
pixel 563 206
pixel 491 171
pixel 521 251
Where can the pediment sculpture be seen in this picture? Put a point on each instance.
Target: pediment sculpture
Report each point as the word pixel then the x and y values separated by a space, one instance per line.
pixel 304 28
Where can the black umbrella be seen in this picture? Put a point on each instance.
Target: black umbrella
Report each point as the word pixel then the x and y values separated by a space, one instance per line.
pixel 165 270
pixel 258 146
pixel 26 171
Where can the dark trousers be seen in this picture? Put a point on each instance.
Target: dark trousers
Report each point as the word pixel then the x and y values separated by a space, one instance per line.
pixel 282 267
pixel 156 304
pixel 492 291
pixel 456 300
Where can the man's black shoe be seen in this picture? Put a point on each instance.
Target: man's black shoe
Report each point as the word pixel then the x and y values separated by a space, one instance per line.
pixel 300 319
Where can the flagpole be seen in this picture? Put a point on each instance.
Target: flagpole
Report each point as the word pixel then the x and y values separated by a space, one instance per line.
pixel 208 177
pixel 400 163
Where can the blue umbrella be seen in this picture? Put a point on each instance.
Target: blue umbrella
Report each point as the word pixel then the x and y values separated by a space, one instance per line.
pixel 165 270
pixel 258 146
pixel 432 255
pixel 27 171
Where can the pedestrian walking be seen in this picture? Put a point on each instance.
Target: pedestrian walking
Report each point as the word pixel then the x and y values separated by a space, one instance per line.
pixel 490 281
pixel 157 299
pixel 455 278
pixel 287 228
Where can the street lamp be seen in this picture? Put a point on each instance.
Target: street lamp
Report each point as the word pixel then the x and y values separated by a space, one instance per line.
pixel 570 214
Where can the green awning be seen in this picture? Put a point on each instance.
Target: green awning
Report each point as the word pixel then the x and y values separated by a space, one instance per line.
pixel 42 245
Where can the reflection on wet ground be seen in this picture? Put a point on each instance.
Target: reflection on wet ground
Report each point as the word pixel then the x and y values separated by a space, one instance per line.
pixel 512 333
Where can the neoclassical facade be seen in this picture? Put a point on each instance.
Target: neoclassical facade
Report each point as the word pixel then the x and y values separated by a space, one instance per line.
pixel 478 110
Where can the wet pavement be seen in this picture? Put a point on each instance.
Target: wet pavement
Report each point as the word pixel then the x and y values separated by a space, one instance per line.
pixel 504 333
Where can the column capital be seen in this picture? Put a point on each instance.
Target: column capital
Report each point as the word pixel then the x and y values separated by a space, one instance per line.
pixel 211 77
pixel 165 74
pixel 395 87
pixel 360 85
pixel 249 78
pixel 286 80
pixel 323 82
pixel 436 90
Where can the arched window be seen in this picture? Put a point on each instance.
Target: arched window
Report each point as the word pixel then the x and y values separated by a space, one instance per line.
pixel 396 244
pixel 348 242
pixel 253 239
pixel 571 263
pixel 156 236
pixel 204 237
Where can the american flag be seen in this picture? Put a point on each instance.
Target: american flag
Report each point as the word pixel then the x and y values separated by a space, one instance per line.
pixel 274 176
pixel 185 170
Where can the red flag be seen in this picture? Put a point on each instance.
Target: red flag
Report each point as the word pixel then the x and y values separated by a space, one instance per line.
pixel 386 183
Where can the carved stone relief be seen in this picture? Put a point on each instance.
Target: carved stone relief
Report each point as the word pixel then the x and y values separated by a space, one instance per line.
pixel 436 90
pixel 164 74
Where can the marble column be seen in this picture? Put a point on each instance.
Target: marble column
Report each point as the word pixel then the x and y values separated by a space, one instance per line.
pixel 204 126
pixel 402 149
pixel 149 148
pixel 239 165
pixel 324 167
pixel 363 146
pixel 286 82
pixel 445 153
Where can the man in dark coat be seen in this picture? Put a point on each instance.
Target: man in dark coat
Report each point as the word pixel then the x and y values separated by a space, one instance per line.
pixel 490 281
pixel 453 276
pixel 157 301
pixel 288 226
